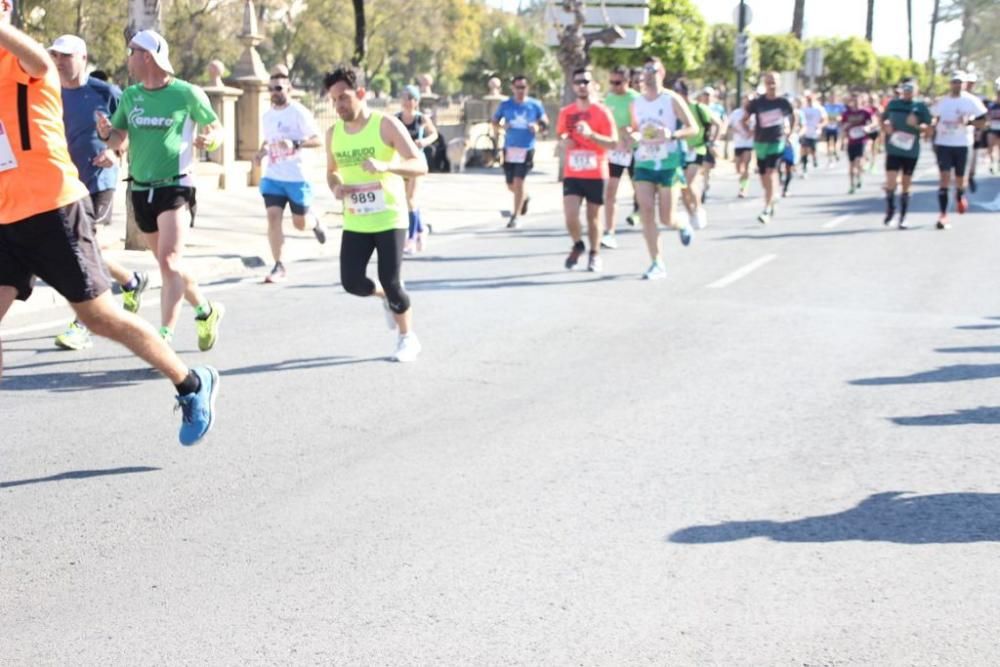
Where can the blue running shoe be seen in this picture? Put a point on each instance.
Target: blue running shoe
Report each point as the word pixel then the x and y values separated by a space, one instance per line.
pixel 198 409
pixel 686 235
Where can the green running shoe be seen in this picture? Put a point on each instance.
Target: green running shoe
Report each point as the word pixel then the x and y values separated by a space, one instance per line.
pixel 132 299
pixel 76 337
pixel 208 327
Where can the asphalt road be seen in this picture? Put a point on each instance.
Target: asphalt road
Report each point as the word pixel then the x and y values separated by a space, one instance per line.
pixel 785 453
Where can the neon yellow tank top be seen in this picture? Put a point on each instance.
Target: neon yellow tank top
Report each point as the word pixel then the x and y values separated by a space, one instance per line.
pixel 372 202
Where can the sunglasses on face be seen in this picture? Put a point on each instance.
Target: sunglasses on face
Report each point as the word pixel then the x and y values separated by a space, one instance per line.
pixel 581 82
pixel 520 87
pixel 616 83
pixel 276 89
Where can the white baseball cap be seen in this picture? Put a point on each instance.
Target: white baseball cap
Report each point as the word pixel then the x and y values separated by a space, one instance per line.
pixel 971 77
pixel 959 76
pixel 152 41
pixel 69 45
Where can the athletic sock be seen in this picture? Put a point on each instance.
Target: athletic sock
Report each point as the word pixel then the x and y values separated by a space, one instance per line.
pixel 904 203
pixel 132 283
pixel 413 225
pixel 943 200
pixel 202 311
pixel 189 385
pixel 890 200
pixel 959 193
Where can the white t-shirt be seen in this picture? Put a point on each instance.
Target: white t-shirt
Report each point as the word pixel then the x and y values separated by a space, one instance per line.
pixel 293 122
pixel 953 114
pixel 813 117
pixel 741 138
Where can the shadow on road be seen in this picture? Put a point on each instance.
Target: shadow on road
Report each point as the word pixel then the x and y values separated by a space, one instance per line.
pixel 70 381
pixel 299 365
pixel 980 415
pixel 969 350
pixel 978 327
pixel 77 474
pixel 799 235
pixel 956 373
pixel 502 282
pixel 883 517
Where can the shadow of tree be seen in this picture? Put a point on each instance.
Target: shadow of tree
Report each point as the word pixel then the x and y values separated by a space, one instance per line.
pixel 956 373
pixel 946 518
pixel 981 415
pixel 77 474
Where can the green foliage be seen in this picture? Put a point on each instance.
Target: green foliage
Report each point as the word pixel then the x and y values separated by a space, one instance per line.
pixel 508 51
pixel 380 84
pixel 718 66
pixel 779 53
pixel 890 70
pixel 849 62
pixel 677 34
pixel 185 25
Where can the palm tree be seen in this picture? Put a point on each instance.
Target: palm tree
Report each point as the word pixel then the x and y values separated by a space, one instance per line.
pixel 360 36
pixel 798 17
pixel 909 28
pixel 871 20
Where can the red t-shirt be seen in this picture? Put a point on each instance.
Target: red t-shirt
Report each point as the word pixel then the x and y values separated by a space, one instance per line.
pixel 584 158
pixel 856 122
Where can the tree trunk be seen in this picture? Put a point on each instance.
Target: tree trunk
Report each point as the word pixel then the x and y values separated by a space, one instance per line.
pixel 930 49
pixel 798 18
pixel 572 52
pixel 870 26
pixel 909 29
pixel 360 36
pixel 142 15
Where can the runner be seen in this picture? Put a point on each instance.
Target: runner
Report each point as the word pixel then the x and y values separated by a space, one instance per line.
pixel 790 156
pixel 619 101
pixel 952 113
pixel 523 118
pixel 288 128
pixel 46 227
pixel 742 144
pixel 423 133
pixel 977 135
pixel 905 120
pixel 659 159
pixel 587 131
pixel 696 155
pixel 707 98
pixel 82 97
pixel 831 130
pixel 157 116
pixel 368 156
pixel 869 102
pixel 856 122
pixel 774 120
pixel 994 129
pixel 814 119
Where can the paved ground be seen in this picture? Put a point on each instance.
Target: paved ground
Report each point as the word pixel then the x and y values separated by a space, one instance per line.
pixel 784 454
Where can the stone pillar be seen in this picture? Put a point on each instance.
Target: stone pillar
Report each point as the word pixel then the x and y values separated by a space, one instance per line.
pixel 223 99
pixel 251 78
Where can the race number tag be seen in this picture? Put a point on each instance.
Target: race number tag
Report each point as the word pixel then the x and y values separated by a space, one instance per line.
pixel 278 152
pixel 515 155
pixel 364 199
pixel 7 159
pixel 857 132
pixel 582 161
pixel 903 140
pixel 652 152
pixel 620 158
pixel 771 118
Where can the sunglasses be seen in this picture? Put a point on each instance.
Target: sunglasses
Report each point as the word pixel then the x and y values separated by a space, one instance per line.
pixel 520 87
pixel 581 82
pixel 276 89
pixel 616 83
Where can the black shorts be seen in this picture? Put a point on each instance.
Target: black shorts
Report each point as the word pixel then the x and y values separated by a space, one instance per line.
pixel 769 162
pixel 520 169
pixel 907 165
pixel 831 133
pixel 616 170
pixel 742 151
pixel 873 136
pixel 981 141
pixel 103 204
pixel 591 189
pixel 149 204
pixel 951 158
pixel 806 142
pixel 855 151
pixel 57 246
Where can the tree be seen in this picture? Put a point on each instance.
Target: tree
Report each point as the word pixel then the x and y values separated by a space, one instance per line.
pixel 360 34
pixel 848 62
pixel 677 34
pixel 780 53
pixel 909 29
pixel 890 70
pixel 870 25
pixel 798 17
pixel 718 65
pixel 509 52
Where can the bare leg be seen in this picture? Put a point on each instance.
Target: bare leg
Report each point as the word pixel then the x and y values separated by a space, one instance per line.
pixel 275 235
pixel 610 207
pixel 594 227
pixel 571 210
pixel 646 194
pixel 7 296
pixel 169 244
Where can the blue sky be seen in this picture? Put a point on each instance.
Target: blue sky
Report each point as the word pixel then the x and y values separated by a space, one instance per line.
pixel 832 18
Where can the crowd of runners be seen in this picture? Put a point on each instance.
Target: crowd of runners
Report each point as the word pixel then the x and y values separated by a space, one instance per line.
pixel 64 133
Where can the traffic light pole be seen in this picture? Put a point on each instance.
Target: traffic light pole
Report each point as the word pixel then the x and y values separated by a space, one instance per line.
pixel 741 26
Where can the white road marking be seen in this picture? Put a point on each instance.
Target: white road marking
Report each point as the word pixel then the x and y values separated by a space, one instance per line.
pixel 742 272
pixel 836 221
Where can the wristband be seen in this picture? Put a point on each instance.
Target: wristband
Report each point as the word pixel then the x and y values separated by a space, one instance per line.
pixel 296 144
pixel 213 145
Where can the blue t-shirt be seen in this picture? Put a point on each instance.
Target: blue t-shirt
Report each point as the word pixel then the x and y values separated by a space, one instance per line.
pixel 79 105
pixel 517 117
pixel 833 113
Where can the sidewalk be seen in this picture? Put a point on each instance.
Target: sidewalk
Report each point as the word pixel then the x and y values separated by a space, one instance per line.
pixel 229 239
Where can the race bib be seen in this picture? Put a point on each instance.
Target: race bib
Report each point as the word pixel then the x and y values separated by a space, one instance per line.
pixel 903 140
pixel 581 161
pixel 7 159
pixel 364 199
pixel 278 152
pixel 515 155
pixel 771 118
pixel 653 152
pixel 620 158
pixel 857 132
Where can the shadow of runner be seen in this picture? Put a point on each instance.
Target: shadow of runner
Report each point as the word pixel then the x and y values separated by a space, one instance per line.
pixel 70 381
pixel 969 350
pixel 78 474
pixel 299 365
pixel 981 415
pixel 956 373
pixel 945 518
pixel 502 282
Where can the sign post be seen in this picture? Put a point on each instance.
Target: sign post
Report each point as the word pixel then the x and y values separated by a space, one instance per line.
pixel 741 56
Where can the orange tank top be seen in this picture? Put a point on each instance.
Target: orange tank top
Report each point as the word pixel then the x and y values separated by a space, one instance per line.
pixel 36 172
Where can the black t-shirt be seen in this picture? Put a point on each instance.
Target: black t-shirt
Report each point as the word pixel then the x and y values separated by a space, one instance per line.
pixel 771 115
pixel 416 128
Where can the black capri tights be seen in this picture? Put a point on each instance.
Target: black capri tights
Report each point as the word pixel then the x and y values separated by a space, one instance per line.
pixel 356 249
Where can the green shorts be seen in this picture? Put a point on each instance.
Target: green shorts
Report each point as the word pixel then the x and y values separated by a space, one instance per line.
pixel 667 178
pixel 769 149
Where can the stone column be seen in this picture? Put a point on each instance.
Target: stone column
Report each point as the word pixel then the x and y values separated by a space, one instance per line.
pixel 223 99
pixel 251 78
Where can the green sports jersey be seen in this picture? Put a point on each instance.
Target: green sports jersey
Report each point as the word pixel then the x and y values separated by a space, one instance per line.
pixel 621 107
pixel 162 125
pixel 904 141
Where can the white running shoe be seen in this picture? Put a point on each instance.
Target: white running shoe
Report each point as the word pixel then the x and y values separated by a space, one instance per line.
pixel 609 241
pixel 407 348
pixel 655 272
pixel 390 320
pixel 700 219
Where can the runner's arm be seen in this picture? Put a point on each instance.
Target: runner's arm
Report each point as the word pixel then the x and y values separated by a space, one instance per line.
pixel 333 179
pixel 209 136
pixel 683 113
pixel 430 133
pixel 412 162
pixel 33 59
